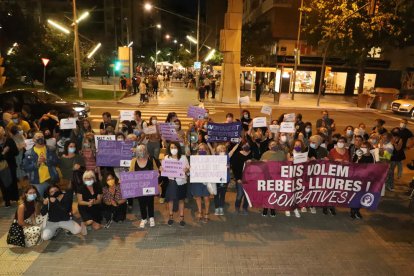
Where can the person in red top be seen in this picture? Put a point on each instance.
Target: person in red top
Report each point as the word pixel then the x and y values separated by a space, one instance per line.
pixel 340 154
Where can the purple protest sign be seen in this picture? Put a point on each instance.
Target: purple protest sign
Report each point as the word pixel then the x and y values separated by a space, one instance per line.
pixel 139 183
pixel 114 153
pixel 285 186
pixel 168 132
pixel 196 112
pixel 172 168
pixel 227 132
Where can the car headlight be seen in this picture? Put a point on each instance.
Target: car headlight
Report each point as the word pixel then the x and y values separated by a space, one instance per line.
pixel 406 105
pixel 79 109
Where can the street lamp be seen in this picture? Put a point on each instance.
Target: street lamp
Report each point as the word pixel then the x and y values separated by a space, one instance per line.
pixel 94 50
pixel 191 39
pixel 58 26
pixel 167 36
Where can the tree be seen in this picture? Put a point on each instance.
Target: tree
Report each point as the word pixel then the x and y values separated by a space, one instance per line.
pixel 185 58
pixel 354 33
pixel 256 39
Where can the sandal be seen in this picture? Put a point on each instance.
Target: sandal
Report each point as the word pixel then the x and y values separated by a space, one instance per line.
pixel 206 219
pixel 182 222
pixel 199 216
pixel 171 220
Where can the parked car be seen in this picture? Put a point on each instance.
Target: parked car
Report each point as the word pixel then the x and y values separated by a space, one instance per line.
pixel 404 105
pixel 41 101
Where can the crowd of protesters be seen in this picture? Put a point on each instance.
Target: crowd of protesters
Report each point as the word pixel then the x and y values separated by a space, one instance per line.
pixel 60 166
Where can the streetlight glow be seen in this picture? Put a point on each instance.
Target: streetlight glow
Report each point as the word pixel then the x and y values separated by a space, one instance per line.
pixel 158 52
pixel 158 26
pixel 192 39
pixel 210 55
pixel 188 51
pixel 167 36
pixel 82 17
pixel 58 26
pixel 130 44
pixel 94 50
pixel 175 41
pixel 148 6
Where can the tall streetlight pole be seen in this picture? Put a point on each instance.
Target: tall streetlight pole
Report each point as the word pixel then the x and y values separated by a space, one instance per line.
pixel 198 43
pixel 77 51
pixel 297 51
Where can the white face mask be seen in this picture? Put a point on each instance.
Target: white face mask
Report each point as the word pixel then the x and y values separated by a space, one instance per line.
pixel 402 125
pixel 283 139
pixel 177 127
pixel 364 150
pixel 154 122
pixel 340 145
pixel 174 152
pixel 308 129
pixel 120 139
pixel 349 132
pixel 222 153
pixel 88 182
pixel 229 120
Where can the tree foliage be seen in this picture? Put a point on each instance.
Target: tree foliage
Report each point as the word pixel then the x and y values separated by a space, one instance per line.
pixel 256 39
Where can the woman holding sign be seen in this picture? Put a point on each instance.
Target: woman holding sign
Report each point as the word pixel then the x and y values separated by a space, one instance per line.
pixel 144 162
pixel 177 187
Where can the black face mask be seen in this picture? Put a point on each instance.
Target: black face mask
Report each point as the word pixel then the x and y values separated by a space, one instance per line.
pixel 56 194
pixel 40 141
pixel 48 136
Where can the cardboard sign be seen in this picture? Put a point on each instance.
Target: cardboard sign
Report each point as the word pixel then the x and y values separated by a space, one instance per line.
pixel 103 137
pixel 244 100
pixel 208 168
pixel 266 110
pixel 287 127
pixel 259 122
pixel 274 128
pixel 139 183
pixel 114 153
pixel 126 115
pixel 289 117
pixel 226 132
pixel 29 143
pixel 168 132
pixel 300 157
pixel 150 130
pixel 69 123
pixel 172 168
pixel 196 112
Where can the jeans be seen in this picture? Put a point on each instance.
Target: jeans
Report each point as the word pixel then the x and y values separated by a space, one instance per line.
pixel 239 197
pixel 397 164
pixel 41 188
pixel 115 213
pixel 51 227
pixel 146 206
pixel 389 181
pixel 220 197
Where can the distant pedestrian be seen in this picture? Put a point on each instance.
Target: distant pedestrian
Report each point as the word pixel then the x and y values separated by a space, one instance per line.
pixel 201 93
pixel 259 89
pixel 323 90
pixel 135 84
pixel 123 82
pixel 142 92
pixel 213 88
pixel 207 82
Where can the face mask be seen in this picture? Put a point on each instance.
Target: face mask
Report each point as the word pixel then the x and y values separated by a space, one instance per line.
pixel 71 150
pixel 110 182
pixel 140 154
pixel 154 122
pixel 206 116
pixel 362 131
pixel 308 129
pixel 137 132
pixel 402 125
pixel 364 150
pixel 258 140
pixel 40 141
pixel 325 117
pixel 298 149
pixel 174 152
pixel 229 120
pixel 274 148
pixel 31 197
pixel 48 136
pixel 205 126
pixel 16 121
pixel 340 145
pixel 177 127
pixel 349 132
pixel 20 132
pixel 359 153
pixel 283 139
pixel 87 146
pixel 222 153
pixel 202 152
pixel 120 139
pixel 372 141
pixel 56 194
pixel 246 148
pixel 88 182
pixel 246 116
pixel 312 145
pixel 124 129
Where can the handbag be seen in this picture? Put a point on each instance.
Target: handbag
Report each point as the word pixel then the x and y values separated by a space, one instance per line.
pixel 212 188
pixel 16 235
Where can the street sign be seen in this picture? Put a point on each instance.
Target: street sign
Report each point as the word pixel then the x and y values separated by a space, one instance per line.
pixel 45 61
pixel 197 65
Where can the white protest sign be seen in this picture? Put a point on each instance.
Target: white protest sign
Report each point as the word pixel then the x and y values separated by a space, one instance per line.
pixel 29 143
pixel 266 110
pixel 259 122
pixel 289 117
pixel 300 157
pixel 126 115
pixel 287 127
pixel 150 130
pixel 208 168
pixel 69 123
pixel 244 100
pixel 274 128
pixel 103 137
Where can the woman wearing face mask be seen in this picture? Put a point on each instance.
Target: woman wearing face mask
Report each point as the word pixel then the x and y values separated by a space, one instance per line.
pixel 8 168
pixel 19 138
pixel 245 119
pixel 349 135
pixel 89 153
pixel 58 206
pixel 306 133
pixel 40 163
pixel 120 137
pixel 114 206
pixel 89 203
pixel 237 165
pixel 154 140
pixel 181 134
pixel 27 216
pixel 362 156
pixel 362 131
pixel 50 141
pixel 144 162
pixel 202 133
pixel 70 161
pixel 177 187
pixel 199 190
pixel 297 147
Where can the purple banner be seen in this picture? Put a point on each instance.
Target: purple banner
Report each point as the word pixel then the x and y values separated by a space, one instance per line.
pixel 196 112
pixel 227 132
pixel 172 168
pixel 285 186
pixel 168 132
pixel 114 153
pixel 139 183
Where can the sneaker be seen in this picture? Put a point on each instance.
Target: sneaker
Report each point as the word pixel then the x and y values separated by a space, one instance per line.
pixel 221 211
pixel 332 211
pixel 182 223
pixel 162 200
pixel 142 224
pixel 84 230
pixel 325 210
pixel 297 214
pixel 170 222
pixel 245 212
pixel 264 212
pixel 217 212
pixel 108 224
pixel 313 210
pixel 353 216
pixel 272 213
pixel 303 210
pixel 287 213
pixel 358 215
pixel 152 222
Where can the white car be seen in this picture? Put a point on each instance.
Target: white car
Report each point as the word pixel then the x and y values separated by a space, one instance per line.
pixel 403 106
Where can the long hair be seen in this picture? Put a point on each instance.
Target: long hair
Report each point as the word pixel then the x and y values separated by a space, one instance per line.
pixel 23 197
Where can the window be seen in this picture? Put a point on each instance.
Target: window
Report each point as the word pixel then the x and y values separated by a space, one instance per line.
pixel 29 98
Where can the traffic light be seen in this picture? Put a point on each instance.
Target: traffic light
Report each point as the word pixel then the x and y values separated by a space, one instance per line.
pixel 117 66
pixel 2 78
